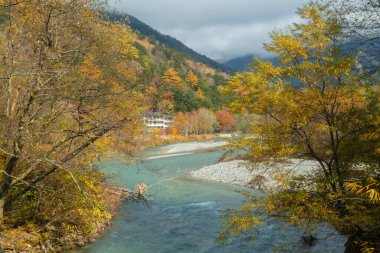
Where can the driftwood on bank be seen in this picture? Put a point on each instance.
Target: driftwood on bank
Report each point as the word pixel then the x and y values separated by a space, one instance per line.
pixel 138 194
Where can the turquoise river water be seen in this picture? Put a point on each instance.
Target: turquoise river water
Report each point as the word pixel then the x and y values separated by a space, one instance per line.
pixel 184 214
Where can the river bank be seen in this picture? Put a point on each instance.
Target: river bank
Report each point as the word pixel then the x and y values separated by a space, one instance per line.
pixel 152 140
pixel 32 238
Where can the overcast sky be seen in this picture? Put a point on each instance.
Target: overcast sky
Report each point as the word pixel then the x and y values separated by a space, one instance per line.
pixel 220 29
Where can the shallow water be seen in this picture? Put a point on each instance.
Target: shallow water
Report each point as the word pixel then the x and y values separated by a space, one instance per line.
pixel 184 215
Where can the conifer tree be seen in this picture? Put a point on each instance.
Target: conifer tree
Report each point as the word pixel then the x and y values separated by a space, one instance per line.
pixel 192 78
pixel 171 77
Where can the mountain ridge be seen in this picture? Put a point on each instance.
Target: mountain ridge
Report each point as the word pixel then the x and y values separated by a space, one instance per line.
pixel 243 63
pixel 146 30
pixel 240 63
pixel 164 71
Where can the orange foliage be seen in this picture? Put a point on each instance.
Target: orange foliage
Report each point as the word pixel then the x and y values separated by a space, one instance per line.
pixel 172 131
pixel 200 94
pixel 171 77
pixel 225 120
pixel 181 122
pixel 192 78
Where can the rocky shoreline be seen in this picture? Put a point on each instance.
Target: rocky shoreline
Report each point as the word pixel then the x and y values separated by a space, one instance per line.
pixel 261 176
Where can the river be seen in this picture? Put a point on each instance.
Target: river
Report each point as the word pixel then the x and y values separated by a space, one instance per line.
pixel 184 214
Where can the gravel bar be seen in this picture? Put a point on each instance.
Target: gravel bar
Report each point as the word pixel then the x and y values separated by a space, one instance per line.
pixel 239 172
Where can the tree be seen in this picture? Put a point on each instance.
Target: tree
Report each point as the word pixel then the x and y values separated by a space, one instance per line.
pixel 185 101
pixel 165 106
pixel 225 120
pixel 328 119
pixel 64 91
pixel 200 94
pixel 244 121
pixel 171 77
pixel 192 78
pixel 163 91
pixel 204 121
pixel 181 122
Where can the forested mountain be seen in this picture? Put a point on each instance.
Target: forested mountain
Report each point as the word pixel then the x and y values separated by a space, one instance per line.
pixel 174 77
pixel 240 63
pixel 369 56
pixel 243 63
pixel 368 53
pixel 167 40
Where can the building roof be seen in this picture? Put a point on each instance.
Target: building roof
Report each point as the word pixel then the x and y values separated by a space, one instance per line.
pixel 157 114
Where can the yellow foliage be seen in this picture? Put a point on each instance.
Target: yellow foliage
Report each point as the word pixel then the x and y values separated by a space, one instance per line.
pixel 329 117
pixel 192 78
pixel 71 73
pixel 370 190
pixel 200 94
pixel 157 131
pixel 89 70
pixel 171 77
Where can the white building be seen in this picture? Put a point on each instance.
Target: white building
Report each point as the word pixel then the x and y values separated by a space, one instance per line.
pixel 156 120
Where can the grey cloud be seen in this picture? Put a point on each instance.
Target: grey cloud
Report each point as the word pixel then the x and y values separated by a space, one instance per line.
pixel 228 41
pixel 220 29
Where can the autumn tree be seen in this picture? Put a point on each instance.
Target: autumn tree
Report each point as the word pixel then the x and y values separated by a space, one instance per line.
pixel 65 94
pixel 170 77
pixel 244 121
pixel 182 122
pixel 200 94
pixel 330 118
pixel 191 78
pixel 204 121
pixel 166 105
pixel 164 91
pixel 225 120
